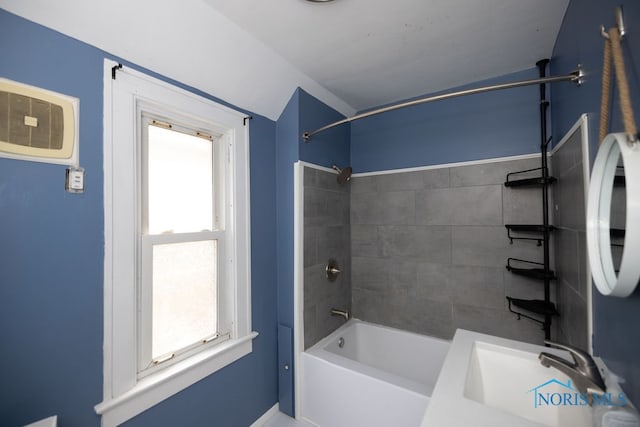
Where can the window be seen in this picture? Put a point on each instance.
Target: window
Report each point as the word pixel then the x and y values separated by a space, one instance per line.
pixel 182 241
pixel 177 279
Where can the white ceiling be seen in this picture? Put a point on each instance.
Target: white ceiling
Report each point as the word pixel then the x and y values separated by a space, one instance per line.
pixel 350 54
pixel 372 52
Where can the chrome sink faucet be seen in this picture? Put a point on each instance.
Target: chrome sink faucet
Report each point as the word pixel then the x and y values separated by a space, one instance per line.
pixel 583 371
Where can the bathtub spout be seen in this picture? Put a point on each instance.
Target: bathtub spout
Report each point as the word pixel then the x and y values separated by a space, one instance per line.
pixel 338 312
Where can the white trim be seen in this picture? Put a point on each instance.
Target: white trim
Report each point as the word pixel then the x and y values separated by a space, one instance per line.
pixel 298 280
pixel 242 238
pixel 318 167
pixel 450 165
pixel 586 170
pixel 124 394
pixel 47 422
pixel 156 388
pixel 308 421
pixel 264 418
pixel 582 121
pixel 107 150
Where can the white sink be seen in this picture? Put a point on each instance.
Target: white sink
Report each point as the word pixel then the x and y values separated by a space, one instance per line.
pixel 510 380
pixel 491 381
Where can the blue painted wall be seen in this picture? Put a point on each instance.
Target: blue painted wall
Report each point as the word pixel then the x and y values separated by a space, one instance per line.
pixel 616 320
pixel 483 126
pixel 329 147
pixel 51 245
pixel 51 264
pixel 303 112
pixel 287 153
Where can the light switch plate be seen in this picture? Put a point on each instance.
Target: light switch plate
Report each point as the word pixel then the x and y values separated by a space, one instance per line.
pixel 74 182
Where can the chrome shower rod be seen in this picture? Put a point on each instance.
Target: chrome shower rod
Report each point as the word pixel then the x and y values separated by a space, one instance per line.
pixel 575 76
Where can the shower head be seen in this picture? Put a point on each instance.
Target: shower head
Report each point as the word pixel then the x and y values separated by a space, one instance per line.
pixel 344 175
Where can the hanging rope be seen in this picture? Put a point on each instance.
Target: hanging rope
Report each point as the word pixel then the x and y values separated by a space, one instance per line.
pixel 613 49
pixel 606 92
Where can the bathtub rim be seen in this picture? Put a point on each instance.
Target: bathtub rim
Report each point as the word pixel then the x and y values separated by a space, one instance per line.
pixel 319 351
pixel 355 321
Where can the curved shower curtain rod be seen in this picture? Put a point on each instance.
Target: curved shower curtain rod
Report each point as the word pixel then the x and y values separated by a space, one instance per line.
pixel 575 76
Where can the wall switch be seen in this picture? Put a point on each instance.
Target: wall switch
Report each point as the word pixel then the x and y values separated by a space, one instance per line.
pixel 75 180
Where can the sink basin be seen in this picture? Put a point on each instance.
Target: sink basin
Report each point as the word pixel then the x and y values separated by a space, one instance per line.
pixel 514 381
pixel 491 381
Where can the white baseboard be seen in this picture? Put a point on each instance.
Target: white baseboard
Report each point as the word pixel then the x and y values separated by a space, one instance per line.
pixel 266 416
pixel 49 422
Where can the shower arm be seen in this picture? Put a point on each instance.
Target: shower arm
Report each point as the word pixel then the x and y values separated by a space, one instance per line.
pixel 576 76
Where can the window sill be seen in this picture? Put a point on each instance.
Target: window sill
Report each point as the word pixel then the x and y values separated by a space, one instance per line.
pixel 155 388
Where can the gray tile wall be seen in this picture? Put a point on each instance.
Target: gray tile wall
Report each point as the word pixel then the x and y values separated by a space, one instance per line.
pixel 429 250
pixel 327 234
pixel 570 243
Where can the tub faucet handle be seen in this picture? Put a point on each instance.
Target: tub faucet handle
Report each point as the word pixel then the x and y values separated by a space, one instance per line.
pixel 332 270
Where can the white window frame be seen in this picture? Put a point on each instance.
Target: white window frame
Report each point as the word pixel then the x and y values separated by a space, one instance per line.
pixel 221 209
pixel 125 392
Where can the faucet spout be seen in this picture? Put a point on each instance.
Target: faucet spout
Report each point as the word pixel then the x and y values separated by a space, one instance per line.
pixel 338 312
pixel 583 370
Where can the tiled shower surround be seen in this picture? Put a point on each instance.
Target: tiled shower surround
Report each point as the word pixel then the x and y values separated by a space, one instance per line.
pixel 570 242
pixel 429 249
pixel 423 251
pixel 326 235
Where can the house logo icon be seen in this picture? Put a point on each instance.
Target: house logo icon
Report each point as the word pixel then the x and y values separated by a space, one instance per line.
pixel 542 398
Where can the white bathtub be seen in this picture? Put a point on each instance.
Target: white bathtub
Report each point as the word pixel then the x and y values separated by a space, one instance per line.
pixel 380 377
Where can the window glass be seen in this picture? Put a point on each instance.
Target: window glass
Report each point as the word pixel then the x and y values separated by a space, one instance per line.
pixel 180 182
pixel 184 295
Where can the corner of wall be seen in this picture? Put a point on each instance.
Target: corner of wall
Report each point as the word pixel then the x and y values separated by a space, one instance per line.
pixel 330 147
